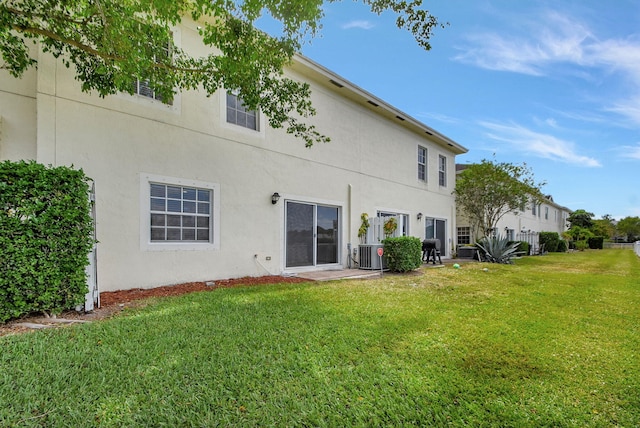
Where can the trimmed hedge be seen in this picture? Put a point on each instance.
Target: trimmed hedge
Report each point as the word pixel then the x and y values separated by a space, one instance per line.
pixel 523 247
pixel 596 242
pixel 562 246
pixel 403 253
pixel 550 241
pixel 46 233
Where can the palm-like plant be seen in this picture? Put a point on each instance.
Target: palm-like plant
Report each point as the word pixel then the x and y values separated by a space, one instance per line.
pixel 498 249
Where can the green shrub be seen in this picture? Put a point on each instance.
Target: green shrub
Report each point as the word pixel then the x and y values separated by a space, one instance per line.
pixel 497 249
pixel 550 241
pixel 45 237
pixel 596 242
pixel 581 245
pixel 523 247
pixel 403 253
pixel 562 246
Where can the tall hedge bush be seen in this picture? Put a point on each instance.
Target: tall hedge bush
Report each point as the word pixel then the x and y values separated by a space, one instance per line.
pixel 550 241
pixel 596 242
pixel 45 237
pixel 562 246
pixel 403 253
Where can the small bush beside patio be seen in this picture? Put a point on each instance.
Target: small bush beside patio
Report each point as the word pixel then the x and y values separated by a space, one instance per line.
pixel 403 253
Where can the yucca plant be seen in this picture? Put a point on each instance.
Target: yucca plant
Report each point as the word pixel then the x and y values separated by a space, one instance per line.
pixel 498 249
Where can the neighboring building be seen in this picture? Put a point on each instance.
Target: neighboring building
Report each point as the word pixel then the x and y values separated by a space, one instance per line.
pixel 183 192
pixel 521 225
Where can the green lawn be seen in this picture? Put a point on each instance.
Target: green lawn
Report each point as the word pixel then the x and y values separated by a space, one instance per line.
pixel 549 341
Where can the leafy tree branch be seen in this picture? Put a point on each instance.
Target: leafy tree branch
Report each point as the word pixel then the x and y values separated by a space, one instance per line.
pixel 111 43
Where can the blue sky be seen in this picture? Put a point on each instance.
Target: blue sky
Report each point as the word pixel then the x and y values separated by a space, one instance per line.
pixel 553 84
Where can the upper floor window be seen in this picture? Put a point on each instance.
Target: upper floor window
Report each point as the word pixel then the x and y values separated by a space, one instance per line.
pixel 546 213
pixel 238 114
pixel 142 87
pixel 422 163
pixel 442 170
pixel 534 208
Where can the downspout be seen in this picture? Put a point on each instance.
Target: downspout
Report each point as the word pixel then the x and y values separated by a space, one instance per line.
pixel 349 219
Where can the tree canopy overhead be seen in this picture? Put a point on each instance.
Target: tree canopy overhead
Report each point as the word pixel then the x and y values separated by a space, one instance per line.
pixel 114 42
pixel 486 191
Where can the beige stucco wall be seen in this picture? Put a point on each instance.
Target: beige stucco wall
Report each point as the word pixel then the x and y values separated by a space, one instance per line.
pixel 18 116
pixel 370 166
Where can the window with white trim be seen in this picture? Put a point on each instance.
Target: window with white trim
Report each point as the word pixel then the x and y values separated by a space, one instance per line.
pixel 442 170
pixel 238 114
pixel 422 163
pixel 464 235
pixel 143 88
pixel 180 213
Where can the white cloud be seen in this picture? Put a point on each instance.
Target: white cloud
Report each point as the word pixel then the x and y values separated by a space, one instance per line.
pixel 361 24
pixel 542 145
pixel 439 117
pixel 548 122
pixel 628 108
pixel 631 152
pixel 560 41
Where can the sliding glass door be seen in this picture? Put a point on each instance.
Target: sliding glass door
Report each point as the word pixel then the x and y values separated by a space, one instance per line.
pixel 312 234
pixel 436 228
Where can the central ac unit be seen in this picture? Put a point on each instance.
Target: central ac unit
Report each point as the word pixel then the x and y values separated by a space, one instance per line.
pixel 368 257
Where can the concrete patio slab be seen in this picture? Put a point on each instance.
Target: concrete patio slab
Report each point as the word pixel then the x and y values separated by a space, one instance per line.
pixel 330 275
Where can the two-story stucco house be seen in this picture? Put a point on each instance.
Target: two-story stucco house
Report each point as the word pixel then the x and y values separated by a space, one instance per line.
pixel 202 189
pixel 521 225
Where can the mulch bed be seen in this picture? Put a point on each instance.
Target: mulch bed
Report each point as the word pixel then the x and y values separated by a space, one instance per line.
pixel 113 302
pixel 108 298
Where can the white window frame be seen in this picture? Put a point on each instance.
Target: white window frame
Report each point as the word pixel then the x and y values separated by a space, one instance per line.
pixel 143 83
pixel 142 99
pixel 423 150
pixel 238 129
pixel 442 170
pixel 465 233
pixel 256 113
pixel 145 210
pixel 284 198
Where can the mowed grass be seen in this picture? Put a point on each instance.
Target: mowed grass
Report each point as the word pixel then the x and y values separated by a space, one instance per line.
pixel 549 341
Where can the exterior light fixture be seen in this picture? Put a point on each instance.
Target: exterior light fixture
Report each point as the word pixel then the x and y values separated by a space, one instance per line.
pixel 419 216
pixel 275 197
